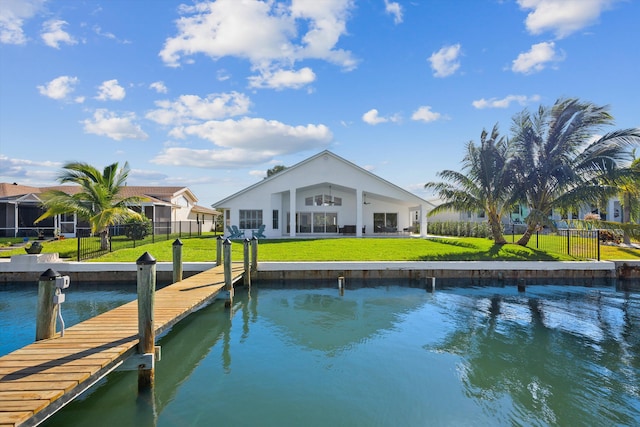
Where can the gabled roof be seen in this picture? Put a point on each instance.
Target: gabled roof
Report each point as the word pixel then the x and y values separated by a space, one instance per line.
pixel 13 190
pixel 282 175
pixel 205 210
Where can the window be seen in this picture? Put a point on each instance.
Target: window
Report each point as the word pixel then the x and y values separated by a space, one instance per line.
pixel 250 219
pixel 275 224
pixel 308 201
pixel 385 222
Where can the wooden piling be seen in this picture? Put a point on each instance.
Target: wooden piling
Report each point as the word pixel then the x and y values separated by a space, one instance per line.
pixel 228 284
pixel 47 310
pixel 254 254
pixel 219 240
pixel 247 267
pixel 177 261
pixel 146 331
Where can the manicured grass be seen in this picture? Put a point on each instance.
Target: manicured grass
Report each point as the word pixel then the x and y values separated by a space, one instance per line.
pixel 343 249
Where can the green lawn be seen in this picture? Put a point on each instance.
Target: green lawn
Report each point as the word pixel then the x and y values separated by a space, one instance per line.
pixel 343 249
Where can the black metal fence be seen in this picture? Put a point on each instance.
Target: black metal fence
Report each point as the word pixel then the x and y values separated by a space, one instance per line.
pixel 578 243
pixel 131 235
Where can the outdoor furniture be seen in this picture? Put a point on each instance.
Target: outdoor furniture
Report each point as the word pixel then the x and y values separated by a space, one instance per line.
pixel 259 233
pixel 234 232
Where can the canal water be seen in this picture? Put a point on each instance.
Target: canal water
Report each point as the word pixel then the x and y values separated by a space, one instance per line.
pixel 389 356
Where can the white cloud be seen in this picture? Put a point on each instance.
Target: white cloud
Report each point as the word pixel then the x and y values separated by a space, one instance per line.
pixel 563 17
pixel 424 114
pixel 445 61
pixel 264 33
pixel 106 123
pixel 27 170
pixel 111 90
pixel 393 8
pixel 371 117
pixel 258 173
pixel 59 88
pixel 158 87
pixel 190 109
pixel 504 102
pixel 281 79
pixel 245 142
pixel 13 13
pixel 536 59
pixel 53 34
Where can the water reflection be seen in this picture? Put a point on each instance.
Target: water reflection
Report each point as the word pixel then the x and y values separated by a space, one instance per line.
pixel 565 357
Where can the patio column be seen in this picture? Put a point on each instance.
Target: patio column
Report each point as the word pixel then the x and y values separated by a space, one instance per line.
pixel 292 212
pixel 423 221
pixel 15 220
pixel 358 212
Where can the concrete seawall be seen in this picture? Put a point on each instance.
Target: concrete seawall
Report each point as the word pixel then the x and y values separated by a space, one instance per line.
pixel 28 268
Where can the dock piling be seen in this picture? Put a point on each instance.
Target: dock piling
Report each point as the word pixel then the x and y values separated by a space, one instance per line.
pixel 219 240
pixel 228 283
pixel 146 292
pixel 177 261
pixel 254 254
pixel 47 310
pixel 247 268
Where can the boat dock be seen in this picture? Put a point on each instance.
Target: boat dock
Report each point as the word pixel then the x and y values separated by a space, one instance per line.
pixel 39 379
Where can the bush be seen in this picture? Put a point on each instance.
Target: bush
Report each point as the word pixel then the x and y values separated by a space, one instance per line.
pixel 611 236
pixel 138 230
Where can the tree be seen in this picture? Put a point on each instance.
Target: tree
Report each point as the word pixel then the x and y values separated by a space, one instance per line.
pixel 99 200
pixel 274 170
pixel 486 182
pixel 558 162
pixel 628 184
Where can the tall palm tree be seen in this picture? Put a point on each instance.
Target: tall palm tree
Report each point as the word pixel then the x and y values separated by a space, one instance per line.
pixel 99 200
pixel 558 162
pixel 485 183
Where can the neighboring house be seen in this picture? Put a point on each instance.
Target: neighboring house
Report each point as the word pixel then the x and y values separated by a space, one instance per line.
pixel 20 206
pixel 325 195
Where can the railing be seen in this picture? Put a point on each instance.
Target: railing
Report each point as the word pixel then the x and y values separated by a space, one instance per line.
pixel 581 244
pixel 131 235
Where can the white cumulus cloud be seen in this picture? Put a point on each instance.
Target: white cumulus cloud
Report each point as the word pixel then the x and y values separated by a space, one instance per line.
pixel 562 17
pixel 264 33
pixel 536 59
pixel 245 142
pixel 13 14
pixel 59 88
pixel 504 102
pixel 52 34
pixel 373 117
pixel 158 87
pixel 446 61
pixel 107 123
pixel 190 109
pixel 111 90
pixel 281 79
pixel 393 8
pixel 424 114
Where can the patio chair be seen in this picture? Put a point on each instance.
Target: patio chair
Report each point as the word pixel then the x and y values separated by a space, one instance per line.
pixel 234 233
pixel 259 233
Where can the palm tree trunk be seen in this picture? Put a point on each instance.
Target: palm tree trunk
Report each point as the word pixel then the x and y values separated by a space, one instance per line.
pixel 524 240
pixel 626 217
pixel 496 230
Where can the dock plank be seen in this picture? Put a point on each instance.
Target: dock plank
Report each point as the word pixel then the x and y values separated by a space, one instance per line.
pixel 38 379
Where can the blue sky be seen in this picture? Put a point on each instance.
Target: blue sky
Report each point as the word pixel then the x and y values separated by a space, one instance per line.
pixel 210 95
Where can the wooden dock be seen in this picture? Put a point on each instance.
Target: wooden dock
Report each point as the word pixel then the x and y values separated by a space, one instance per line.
pixel 37 380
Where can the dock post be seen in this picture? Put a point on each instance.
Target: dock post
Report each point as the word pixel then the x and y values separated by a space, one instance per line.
pixel 254 254
pixel 177 261
pixel 47 310
pixel 228 284
pixel 146 291
pixel 247 268
pixel 219 240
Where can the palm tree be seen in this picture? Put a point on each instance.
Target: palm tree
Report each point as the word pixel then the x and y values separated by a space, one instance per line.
pixel 628 184
pixel 98 200
pixel 559 165
pixel 485 183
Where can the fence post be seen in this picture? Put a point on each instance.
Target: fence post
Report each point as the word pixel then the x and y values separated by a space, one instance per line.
pixel 47 310
pixel 598 242
pixel 537 239
pixel 177 260
pixel 79 239
pixel 568 242
pixel 146 330
pixel 219 240
pixel 247 268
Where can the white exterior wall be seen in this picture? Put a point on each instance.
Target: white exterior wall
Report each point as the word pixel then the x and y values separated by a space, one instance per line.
pixel 324 174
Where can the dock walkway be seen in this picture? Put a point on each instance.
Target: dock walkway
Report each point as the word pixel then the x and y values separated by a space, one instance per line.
pixel 37 380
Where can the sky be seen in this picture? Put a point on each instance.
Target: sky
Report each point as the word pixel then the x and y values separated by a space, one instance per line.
pixel 211 94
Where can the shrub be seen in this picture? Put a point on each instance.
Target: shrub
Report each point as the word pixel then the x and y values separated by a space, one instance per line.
pixel 611 236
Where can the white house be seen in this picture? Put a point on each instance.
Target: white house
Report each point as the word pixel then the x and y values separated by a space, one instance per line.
pixel 325 195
